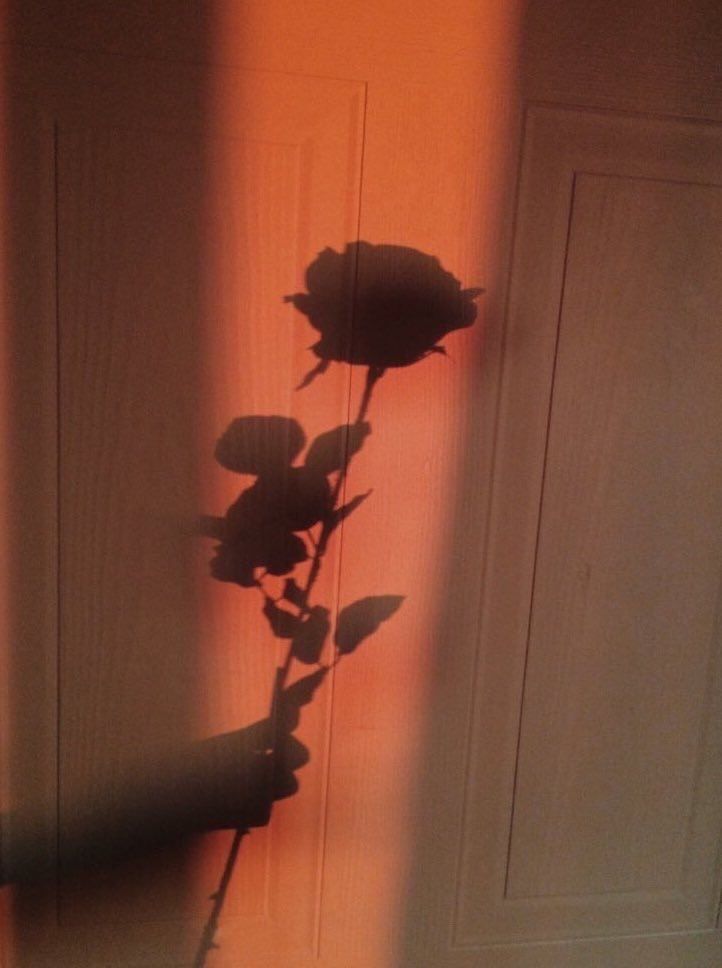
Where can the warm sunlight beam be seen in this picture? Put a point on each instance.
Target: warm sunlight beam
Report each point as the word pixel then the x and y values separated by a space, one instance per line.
pixel 415 147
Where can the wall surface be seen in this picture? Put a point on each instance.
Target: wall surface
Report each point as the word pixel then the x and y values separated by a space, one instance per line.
pixel 360 617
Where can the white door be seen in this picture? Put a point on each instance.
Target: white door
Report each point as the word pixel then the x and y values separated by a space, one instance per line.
pixel 590 829
pixel 514 760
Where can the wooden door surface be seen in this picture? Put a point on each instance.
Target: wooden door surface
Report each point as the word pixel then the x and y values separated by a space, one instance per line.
pixel 592 752
pixel 360 617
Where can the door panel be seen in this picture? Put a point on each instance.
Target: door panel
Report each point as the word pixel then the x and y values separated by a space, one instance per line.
pixel 174 248
pixel 615 709
pixel 595 748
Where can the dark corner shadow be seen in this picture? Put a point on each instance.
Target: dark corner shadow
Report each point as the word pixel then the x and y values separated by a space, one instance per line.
pixel 375 306
pixel 155 253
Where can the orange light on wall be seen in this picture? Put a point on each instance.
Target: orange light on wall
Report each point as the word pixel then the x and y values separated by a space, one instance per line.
pixel 396 127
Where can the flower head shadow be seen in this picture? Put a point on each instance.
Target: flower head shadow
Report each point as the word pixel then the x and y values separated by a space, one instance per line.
pixel 381 306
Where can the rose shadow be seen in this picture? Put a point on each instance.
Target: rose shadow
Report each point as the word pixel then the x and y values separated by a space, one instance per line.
pixel 377 306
